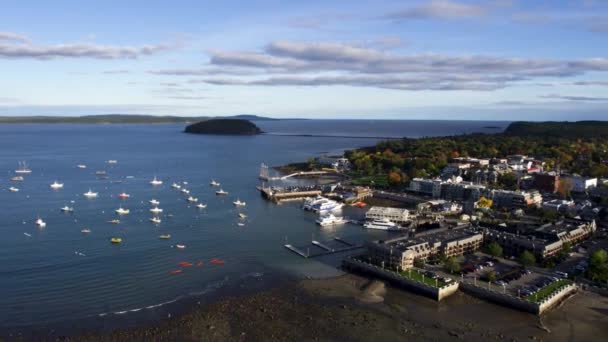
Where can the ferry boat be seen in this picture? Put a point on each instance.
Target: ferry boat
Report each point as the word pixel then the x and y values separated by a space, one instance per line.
pixel 40 223
pixel 114 221
pixel 156 210
pixel 154 202
pixel 165 237
pixel 116 240
pixel 201 206
pixel 13 189
pixel 85 231
pixel 176 186
pixel 67 209
pixel 381 224
pixel 124 195
pixel 192 199
pixel 221 192
pixel 90 194
pixel 155 220
pixel 122 211
pixel 330 220
pixel 81 166
pixel 214 183
pixel 185 191
pixel 327 206
pixel 238 203
pixel 309 203
pixel 17 179
pixel 23 169
pixel 156 181
pixel 56 185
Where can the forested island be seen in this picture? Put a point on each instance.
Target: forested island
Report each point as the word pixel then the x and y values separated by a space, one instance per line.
pixel 224 126
pixel 578 147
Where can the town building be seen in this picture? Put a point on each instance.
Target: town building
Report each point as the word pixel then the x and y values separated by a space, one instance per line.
pixel 396 215
pixel 546 182
pixel 431 187
pixel 508 199
pixel 558 205
pixel 581 184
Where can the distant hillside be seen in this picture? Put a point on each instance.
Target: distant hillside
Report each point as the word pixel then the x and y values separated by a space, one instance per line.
pixel 120 119
pixel 582 129
pixel 224 126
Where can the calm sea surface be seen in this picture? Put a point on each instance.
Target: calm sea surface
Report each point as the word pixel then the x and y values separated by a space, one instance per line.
pixel 59 274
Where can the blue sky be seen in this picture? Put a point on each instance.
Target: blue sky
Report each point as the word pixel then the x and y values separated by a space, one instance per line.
pixel 493 60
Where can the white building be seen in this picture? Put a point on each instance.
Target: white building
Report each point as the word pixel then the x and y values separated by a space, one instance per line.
pixel 426 186
pixel 396 215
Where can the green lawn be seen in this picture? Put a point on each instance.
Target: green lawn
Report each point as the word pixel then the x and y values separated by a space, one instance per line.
pixel 418 277
pixel 548 290
pixel 378 181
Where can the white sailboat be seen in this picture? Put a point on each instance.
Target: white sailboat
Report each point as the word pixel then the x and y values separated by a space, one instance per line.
pixel 90 194
pixel 56 185
pixel 239 203
pixel 185 191
pixel 156 181
pixel 23 168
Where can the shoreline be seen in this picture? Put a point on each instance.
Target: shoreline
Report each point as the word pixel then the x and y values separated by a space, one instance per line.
pixel 350 307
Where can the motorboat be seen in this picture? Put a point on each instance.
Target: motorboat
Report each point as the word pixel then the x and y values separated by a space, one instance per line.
pixel 239 203
pixel 192 199
pixel 330 220
pixel 90 194
pixel 67 209
pixel 81 166
pixel 23 169
pixel 116 240
pixel 214 183
pixel 309 203
pixel 221 192
pixel 176 186
pixel 155 220
pixel 165 237
pixel 40 223
pixel 180 246
pixel 85 231
pixel 201 206
pixel 114 221
pixel 241 215
pixel 154 202
pixel 17 179
pixel 156 181
pixel 156 210
pixel 185 191
pixel 124 195
pixel 240 224
pixel 381 224
pixel 100 173
pixel 112 161
pixel 122 211
pixel 13 189
pixel 56 185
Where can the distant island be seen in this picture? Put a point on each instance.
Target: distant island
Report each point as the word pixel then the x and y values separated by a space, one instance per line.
pixel 224 126
pixel 583 129
pixel 121 119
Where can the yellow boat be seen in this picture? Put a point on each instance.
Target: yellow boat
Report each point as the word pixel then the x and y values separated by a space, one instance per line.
pixel 165 237
pixel 115 240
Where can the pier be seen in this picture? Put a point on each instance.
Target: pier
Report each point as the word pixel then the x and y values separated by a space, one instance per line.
pixel 327 250
pixel 279 196
pixel 265 174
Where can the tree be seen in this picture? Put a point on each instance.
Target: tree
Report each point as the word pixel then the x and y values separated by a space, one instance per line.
pixel 526 258
pixel 598 265
pixel 494 249
pixel 452 265
pixel 491 275
pixel 508 181
pixel 419 263
pixel 394 178
pixel 564 187
pixel 484 202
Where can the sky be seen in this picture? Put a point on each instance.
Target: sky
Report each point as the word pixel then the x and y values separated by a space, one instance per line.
pixel 428 59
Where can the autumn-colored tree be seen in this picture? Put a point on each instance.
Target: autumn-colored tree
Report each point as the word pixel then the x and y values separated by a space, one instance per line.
pixel 394 178
pixel 484 202
pixel 565 187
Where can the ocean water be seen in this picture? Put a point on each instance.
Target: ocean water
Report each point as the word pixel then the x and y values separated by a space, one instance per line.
pixel 57 274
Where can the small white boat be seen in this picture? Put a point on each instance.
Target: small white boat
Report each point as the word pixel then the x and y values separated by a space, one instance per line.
pixel 155 220
pixel 156 210
pixel 67 209
pixel 114 221
pixel 180 246
pixel 239 203
pixel 221 192
pixel 186 191
pixel 112 161
pixel 124 195
pixel 23 169
pixel 81 166
pixel 214 183
pixel 90 194
pixel 154 202
pixel 122 211
pixel 17 179
pixel 176 186
pixel 192 199
pixel 13 189
pixel 241 215
pixel 56 185
pixel 156 181
pixel 27 234
pixel 201 206
pixel 240 224
pixel 85 231
pixel 40 223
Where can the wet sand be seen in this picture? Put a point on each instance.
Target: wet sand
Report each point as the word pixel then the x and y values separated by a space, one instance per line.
pixel 351 308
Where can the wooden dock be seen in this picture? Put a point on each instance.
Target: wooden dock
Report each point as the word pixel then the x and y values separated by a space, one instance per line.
pixel 276 196
pixel 326 249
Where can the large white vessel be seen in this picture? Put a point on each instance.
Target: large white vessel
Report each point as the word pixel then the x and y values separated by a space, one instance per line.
pixel 90 194
pixel 156 181
pixel 327 206
pixel 23 168
pixel 56 185
pixel 382 224
pixel 330 220
pixel 310 202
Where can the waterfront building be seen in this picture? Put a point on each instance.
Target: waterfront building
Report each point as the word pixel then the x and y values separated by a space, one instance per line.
pixel 396 215
pixel 431 187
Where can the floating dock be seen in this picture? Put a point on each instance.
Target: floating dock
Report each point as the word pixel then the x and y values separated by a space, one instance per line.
pixel 296 250
pixel 326 249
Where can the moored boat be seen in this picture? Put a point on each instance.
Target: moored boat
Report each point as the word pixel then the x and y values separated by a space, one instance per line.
pixel 165 236
pixel 201 206
pixel 90 194
pixel 221 192
pixel 239 203
pixel 122 211
pixel 116 240
pixel 13 189
pixel 156 181
pixel 56 185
